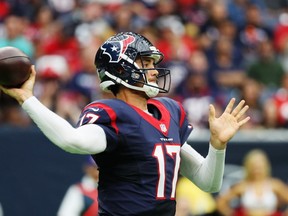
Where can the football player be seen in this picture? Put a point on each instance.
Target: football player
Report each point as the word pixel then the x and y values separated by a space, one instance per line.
pixel 138 141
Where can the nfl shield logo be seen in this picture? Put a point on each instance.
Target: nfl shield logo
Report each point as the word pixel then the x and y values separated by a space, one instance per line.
pixel 163 128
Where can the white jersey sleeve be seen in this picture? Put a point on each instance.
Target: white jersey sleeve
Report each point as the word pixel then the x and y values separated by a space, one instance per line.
pixel 87 139
pixel 206 173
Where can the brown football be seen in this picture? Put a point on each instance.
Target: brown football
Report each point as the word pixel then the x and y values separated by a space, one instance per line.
pixel 14 67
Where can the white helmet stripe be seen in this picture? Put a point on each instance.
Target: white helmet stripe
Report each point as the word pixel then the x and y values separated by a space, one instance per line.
pixel 124 56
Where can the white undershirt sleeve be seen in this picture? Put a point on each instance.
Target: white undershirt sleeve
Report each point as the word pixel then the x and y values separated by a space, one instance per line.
pixel 87 139
pixel 206 173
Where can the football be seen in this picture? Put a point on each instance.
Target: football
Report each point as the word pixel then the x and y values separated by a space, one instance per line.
pixel 14 67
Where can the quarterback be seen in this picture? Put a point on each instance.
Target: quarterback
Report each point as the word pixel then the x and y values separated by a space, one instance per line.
pixel 138 140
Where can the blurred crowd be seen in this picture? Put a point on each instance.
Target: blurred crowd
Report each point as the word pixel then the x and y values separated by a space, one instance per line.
pixel 215 50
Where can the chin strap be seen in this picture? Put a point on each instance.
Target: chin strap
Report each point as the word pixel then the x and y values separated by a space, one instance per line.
pixel 150 90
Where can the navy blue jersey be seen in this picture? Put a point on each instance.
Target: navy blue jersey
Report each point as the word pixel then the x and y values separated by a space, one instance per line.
pixel 140 166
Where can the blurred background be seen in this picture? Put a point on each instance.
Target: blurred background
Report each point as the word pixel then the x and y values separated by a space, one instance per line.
pixel 215 50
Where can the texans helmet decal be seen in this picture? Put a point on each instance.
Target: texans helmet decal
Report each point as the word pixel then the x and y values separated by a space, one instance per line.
pixel 114 49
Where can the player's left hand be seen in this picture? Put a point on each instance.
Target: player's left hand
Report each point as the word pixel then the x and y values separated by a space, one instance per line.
pixel 223 128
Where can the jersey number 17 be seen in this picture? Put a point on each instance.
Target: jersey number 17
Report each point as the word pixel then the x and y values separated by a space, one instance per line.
pixel 173 151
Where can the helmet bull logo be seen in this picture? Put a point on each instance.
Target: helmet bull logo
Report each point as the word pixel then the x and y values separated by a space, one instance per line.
pixel 114 49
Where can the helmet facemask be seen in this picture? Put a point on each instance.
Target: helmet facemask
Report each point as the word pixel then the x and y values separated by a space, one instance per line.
pixel 161 84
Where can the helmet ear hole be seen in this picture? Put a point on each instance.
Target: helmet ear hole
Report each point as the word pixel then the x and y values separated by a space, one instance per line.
pixel 120 69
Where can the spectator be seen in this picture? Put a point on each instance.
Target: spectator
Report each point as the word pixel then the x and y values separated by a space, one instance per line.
pixel 251 91
pixel 226 74
pixel 90 22
pixel 62 7
pixel 281 34
pixel 82 198
pixel 62 42
pixel 258 193
pixel 236 11
pixel 53 74
pixel 217 14
pixel 195 83
pixel 130 16
pixel 4 10
pixel 14 35
pixel 194 91
pixel 267 69
pixel 195 13
pixel 176 46
pixel 252 33
pixel 275 108
pixel 173 41
pixel 280 40
pixel 41 29
pixel 166 8
pixel 26 9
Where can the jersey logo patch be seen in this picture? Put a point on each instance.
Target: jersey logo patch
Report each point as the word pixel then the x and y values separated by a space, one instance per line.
pixel 163 128
pixel 114 49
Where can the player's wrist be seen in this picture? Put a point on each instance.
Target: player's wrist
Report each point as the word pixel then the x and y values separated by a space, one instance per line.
pixel 217 144
pixel 23 98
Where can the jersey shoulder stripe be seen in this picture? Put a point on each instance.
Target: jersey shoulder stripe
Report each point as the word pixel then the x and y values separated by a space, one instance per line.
pixel 105 114
pixel 174 107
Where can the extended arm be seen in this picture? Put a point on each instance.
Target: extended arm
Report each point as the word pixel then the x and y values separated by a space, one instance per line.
pixel 206 173
pixel 88 139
